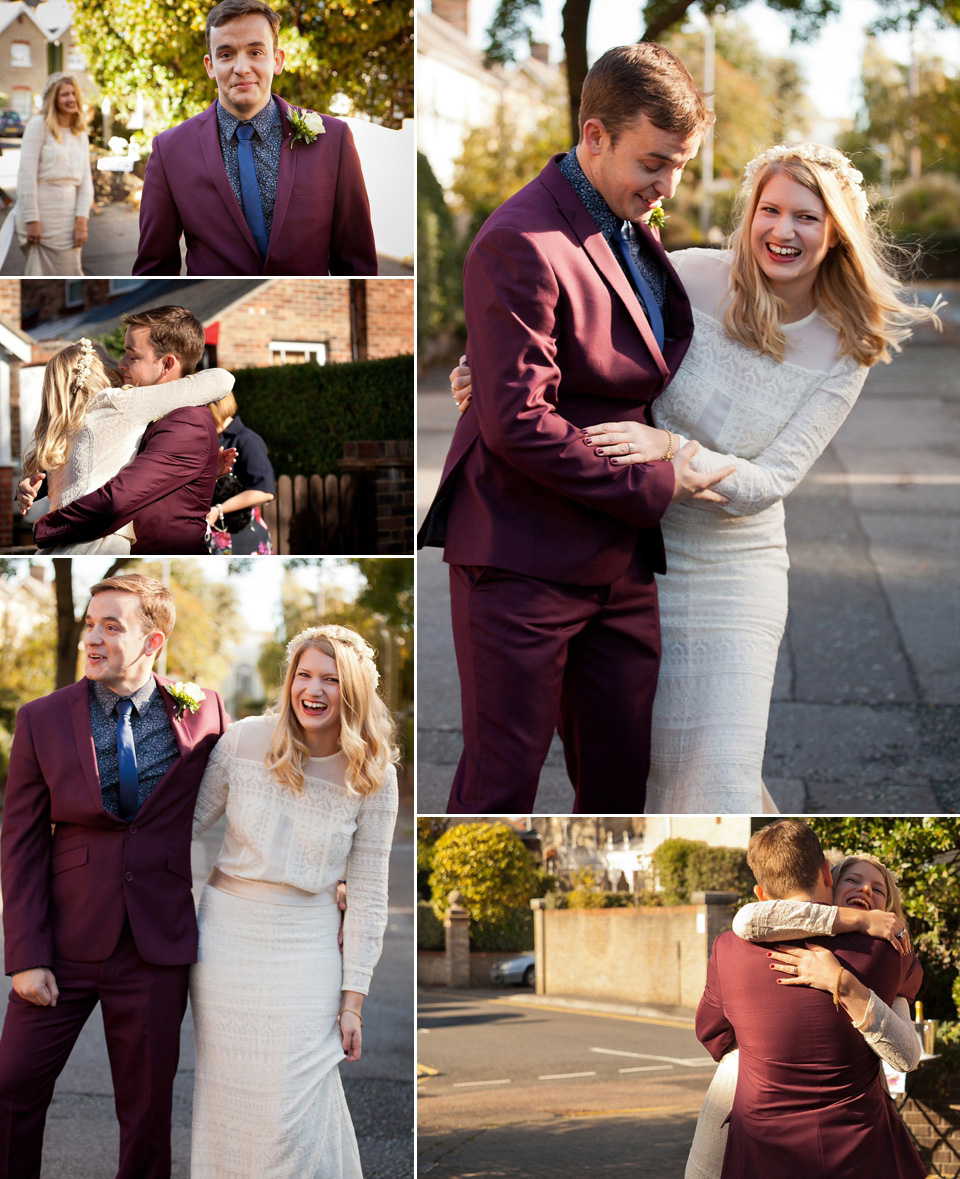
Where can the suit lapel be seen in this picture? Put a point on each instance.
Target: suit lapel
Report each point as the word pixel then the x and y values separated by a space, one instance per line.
pixel 217 171
pixel 183 732
pixel 285 174
pixel 83 741
pixel 601 254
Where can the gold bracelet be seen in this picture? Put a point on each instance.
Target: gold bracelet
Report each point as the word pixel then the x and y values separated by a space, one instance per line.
pixel 836 989
pixel 352 1012
pixel 671 443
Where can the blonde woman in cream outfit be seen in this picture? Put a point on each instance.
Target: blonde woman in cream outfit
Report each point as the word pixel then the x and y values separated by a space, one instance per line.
pixel 310 795
pixel 863 889
pixel 787 323
pixel 90 426
pixel 54 183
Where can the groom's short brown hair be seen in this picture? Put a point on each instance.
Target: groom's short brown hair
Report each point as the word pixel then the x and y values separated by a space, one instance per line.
pixel 172 329
pixel 785 857
pixel 230 9
pixel 648 79
pixel 157 611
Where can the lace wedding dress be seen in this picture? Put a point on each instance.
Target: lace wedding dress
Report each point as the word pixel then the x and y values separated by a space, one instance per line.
pixel 723 600
pixel 266 989
pixel 888 1030
pixel 108 439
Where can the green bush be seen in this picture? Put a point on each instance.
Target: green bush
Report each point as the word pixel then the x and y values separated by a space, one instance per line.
pixel 430 934
pixel 510 933
pixel 439 263
pixel 686 866
pixel 927 206
pixel 490 866
pixel 306 412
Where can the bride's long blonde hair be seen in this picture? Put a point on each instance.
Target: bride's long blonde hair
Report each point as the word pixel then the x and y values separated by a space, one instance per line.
pixel 367 729
pixel 72 376
pixel 856 288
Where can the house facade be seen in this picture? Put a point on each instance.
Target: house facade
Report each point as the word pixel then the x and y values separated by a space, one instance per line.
pixel 34 43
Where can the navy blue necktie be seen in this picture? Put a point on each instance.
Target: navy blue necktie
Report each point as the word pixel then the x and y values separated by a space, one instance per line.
pixel 644 289
pixel 249 188
pixel 129 783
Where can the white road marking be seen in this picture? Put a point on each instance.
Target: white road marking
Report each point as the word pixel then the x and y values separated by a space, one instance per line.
pixel 683 1061
pixel 563 1076
pixel 469 1084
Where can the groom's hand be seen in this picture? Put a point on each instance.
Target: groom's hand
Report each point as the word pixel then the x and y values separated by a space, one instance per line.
pixel 27 490
pixel 37 986
pixel 690 484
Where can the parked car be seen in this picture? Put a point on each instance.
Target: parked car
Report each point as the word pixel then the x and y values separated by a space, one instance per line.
pixel 517 972
pixel 10 123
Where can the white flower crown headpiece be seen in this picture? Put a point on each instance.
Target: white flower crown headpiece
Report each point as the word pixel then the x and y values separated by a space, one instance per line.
pixel 346 636
pixel 814 153
pixel 84 361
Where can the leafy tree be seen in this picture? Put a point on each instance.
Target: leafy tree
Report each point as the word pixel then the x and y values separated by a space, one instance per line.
pixel 360 49
pixel 439 263
pixel 686 866
pixel 807 17
pixel 429 830
pixel 69 625
pixel 924 853
pixel 490 866
pixel 670 861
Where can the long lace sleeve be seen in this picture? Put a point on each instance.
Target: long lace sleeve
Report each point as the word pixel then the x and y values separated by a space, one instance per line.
pixel 28 174
pixel 367 870
pixel 769 921
pixel 772 474
pixel 215 784
pixel 85 187
pixel 144 405
pixel 890 1033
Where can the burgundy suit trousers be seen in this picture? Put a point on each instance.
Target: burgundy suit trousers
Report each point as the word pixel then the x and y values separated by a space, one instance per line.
pixel 143 1006
pixel 535 656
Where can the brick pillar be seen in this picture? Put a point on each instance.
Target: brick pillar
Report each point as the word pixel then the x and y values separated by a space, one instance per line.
pixel 539 944
pixel 387 469
pixel 6 507
pixel 713 915
pixel 456 934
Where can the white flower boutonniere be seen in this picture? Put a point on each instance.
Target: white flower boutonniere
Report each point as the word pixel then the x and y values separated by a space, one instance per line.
pixel 186 696
pixel 657 216
pixel 307 125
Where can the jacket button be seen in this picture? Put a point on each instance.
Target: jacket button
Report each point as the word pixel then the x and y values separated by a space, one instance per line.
pixel 133 829
pixel 128 875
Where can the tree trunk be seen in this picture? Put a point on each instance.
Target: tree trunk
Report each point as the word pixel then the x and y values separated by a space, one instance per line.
pixel 575 13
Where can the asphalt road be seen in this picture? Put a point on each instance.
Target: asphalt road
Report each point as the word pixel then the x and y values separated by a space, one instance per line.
pixel 866 704
pixel 81 1139
pixel 523 1088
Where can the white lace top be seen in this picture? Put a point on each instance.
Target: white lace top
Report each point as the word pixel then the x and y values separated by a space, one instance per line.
pixel 772 421
pixel 888 1030
pixel 43 159
pixel 308 840
pixel 114 424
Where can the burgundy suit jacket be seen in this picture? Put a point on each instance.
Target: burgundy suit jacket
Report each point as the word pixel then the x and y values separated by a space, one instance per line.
pixel 321 217
pixel 166 490
pixel 557 341
pixel 809 1099
pixel 66 894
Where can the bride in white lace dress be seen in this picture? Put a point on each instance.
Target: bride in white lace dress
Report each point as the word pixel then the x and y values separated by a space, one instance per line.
pixel 90 426
pixel 867 900
pixel 310 795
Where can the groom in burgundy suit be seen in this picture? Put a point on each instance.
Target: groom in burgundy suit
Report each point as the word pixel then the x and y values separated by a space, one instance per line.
pixel 167 488
pixel 574 317
pixel 95 858
pixel 810 1102
pixel 229 183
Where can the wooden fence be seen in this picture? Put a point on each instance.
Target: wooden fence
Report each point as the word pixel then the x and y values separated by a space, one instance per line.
pixel 320 515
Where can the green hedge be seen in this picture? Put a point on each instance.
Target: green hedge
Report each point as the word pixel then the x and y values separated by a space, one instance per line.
pixel 430 934
pixel 510 933
pixel 306 412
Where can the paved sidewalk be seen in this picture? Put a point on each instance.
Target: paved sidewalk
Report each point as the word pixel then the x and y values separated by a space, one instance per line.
pixel 866 708
pixel 82 1137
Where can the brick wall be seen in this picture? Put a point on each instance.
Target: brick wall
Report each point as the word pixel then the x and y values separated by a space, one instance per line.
pixel 6 507
pixel 46 298
pixel 931 1112
pixel 388 466
pixel 389 317
pixel 310 310
pixel 10 301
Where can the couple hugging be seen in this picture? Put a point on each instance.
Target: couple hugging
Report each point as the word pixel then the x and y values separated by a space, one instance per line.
pixel 253 184
pixel 107 780
pixel 799 1092
pixel 129 450
pixel 632 414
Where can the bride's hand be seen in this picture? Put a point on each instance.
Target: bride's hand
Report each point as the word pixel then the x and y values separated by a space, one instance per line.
pixel 805 966
pixel 351 1028
pixel 460 385
pixel 27 490
pixel 627 442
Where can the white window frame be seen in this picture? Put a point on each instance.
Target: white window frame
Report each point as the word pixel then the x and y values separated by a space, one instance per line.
pixel 315 350
pixel 73 292
pixel 21 55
